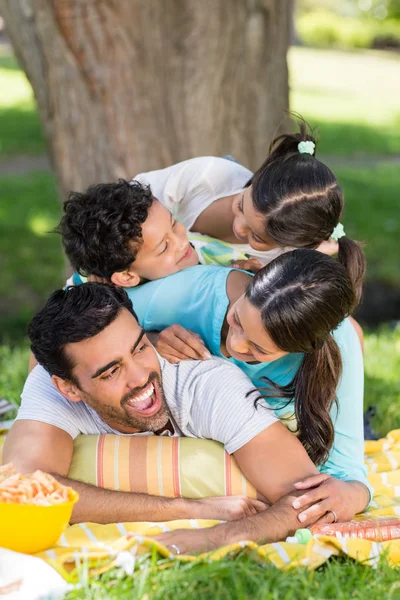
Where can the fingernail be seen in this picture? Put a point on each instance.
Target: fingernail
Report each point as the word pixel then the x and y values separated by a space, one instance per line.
pixel 302 518
pixel 206 354
pixel 296 504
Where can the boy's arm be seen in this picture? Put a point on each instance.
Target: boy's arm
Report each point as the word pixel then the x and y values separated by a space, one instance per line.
pixel 32 445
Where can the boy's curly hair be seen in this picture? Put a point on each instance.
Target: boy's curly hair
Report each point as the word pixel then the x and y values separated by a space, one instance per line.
pixel 102 228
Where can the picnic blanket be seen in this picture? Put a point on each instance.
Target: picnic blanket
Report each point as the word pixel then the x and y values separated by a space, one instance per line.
pixel 97 548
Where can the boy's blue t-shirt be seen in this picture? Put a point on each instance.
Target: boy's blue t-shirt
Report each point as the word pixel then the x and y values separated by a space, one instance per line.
pixel 196 298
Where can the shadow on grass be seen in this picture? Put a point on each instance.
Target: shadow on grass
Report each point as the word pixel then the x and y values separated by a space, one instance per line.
pixel 31 260
pixel 21 132
pixel 385 395
pixel 355 139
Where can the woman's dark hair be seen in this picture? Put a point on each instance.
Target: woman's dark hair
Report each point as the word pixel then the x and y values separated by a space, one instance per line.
pixel 303 295
pixel 303 201
pixel 102 229
pixel 72 315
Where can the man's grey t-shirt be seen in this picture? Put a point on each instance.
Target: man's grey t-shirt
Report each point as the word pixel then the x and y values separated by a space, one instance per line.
pixel 210 399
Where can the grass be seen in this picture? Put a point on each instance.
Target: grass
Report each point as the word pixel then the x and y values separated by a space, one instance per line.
pixel 372 215
pixel 30 258
pixel 241 578
pixel 351 96
pixel 21 131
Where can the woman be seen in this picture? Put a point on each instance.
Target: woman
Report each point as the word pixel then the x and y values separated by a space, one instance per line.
pixel 277 328
pixel 292 201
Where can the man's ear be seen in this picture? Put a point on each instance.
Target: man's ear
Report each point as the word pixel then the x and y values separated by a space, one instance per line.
pixel 67 388
pixel 127 278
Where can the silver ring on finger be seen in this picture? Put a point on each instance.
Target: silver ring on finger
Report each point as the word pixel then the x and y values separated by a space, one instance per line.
pixel 334 516
pixel 175 547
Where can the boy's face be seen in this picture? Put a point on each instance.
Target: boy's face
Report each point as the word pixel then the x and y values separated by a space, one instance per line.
pixel 165 249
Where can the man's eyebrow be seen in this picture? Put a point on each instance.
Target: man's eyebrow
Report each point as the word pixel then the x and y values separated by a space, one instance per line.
pixel 117 361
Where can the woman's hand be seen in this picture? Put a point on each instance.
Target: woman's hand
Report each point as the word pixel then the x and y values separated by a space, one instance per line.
pixel 175 343
pixel 326 494
pixel 252 264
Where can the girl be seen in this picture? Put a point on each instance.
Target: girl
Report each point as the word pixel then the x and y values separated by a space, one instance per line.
pixel 277 328
pixel 292 201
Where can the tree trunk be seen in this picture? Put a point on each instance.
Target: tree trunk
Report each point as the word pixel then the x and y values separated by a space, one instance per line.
pixel 124 86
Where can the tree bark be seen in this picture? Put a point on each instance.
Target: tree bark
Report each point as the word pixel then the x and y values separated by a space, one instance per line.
pixel 125 86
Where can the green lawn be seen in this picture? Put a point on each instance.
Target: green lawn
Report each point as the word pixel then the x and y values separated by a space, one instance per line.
pixel 20 129
pixel 240 578
pixel 353 98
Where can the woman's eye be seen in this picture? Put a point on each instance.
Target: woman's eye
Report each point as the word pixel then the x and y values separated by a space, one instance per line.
pixel 165 248
pixel 241 205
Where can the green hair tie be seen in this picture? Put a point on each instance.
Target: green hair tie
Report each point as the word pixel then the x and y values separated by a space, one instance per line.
pixel 338 232
pixel 306 147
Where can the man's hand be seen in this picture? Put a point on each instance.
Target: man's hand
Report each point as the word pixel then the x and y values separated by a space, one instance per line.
pixel 187 541
pixel 175 343
pixel 326 494
pixel 251 264
pixel 229 508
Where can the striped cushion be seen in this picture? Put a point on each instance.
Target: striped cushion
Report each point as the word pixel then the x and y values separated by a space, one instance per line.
pixel 161 466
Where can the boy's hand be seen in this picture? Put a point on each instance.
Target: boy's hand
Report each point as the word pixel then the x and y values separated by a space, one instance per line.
pixel 175 343
pixel 251 264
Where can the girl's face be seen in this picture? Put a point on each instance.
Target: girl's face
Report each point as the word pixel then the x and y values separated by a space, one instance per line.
pixel 249 224
pixel 247 340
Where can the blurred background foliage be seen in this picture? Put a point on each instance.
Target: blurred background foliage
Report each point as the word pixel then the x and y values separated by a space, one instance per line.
pixel 348 24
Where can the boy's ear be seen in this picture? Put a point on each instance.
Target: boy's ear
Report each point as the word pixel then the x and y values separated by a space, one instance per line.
pixel 127 278
pixel 67 388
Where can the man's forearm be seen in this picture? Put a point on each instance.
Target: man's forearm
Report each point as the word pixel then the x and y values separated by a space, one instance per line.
pixel 272 525
pixel 106 506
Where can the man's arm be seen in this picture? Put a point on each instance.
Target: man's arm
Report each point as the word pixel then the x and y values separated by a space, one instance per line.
pixel 272 525
pixel 274 460
pixel 32 445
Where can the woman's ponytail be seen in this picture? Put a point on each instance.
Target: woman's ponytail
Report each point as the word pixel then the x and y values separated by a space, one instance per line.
pixel 303 296
pixel 316 382
pixel 352 257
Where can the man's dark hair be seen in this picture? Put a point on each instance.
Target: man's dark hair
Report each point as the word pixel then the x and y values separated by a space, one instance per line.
pixel 72 315
pixel 102 228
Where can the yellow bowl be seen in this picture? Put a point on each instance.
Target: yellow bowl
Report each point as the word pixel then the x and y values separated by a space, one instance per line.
pixel 30 528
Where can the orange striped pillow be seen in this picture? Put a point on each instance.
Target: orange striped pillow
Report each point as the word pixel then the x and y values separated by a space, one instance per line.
pixel 161 466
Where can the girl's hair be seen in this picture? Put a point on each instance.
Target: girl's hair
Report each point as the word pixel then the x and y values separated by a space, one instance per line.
pixel 303 295
pixel 302 201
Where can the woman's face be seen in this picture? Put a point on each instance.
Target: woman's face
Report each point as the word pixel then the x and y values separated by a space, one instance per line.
pixel 247 339
pixel 249 224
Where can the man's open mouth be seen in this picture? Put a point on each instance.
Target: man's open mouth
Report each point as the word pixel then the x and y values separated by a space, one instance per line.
pixel 147 402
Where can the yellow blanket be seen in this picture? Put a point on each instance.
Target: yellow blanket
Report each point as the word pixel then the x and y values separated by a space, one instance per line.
pixel 99 547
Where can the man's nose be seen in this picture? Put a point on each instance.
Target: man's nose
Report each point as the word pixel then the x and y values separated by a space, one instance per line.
pixel 138 375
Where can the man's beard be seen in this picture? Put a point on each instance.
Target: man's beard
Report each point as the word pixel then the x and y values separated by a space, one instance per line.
pixel 121 415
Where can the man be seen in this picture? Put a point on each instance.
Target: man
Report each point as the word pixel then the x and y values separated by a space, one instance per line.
pixel 103 376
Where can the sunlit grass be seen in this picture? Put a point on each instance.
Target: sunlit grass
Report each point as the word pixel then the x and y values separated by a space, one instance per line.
pixel 351 96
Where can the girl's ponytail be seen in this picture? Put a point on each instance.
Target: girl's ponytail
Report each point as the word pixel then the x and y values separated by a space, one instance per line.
pixel 352 257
